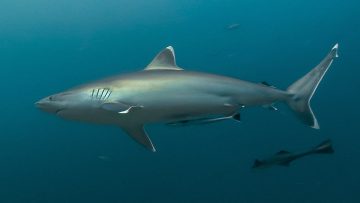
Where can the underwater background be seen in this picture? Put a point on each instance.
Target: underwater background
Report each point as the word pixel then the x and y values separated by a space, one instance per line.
pixel 47 46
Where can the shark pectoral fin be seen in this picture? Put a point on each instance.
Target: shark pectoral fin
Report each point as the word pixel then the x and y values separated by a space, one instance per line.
pixel 119 107
pixel 137 132
pixel 115 106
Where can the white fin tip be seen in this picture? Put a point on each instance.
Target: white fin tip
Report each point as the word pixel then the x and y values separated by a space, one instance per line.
pixel 336 47
pixel 170 48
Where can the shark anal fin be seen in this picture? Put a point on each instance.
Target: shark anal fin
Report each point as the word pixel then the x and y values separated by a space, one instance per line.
pixel 138 133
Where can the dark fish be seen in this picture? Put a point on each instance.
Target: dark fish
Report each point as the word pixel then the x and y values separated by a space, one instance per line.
pixel 199 121
pixel 284 158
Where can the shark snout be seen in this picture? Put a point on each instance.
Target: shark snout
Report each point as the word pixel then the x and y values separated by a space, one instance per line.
pixel 39 104
pixel 46 105
pixel 42 103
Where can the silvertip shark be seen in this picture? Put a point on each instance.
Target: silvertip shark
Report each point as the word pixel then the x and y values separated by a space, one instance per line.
pixel 165 93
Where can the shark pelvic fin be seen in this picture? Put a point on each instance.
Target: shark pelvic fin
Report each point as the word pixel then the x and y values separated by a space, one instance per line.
pixel 138 133
pixel 164 60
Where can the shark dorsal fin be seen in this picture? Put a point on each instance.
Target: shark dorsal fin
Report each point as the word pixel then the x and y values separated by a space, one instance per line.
pixel 282 152
pixel 165 60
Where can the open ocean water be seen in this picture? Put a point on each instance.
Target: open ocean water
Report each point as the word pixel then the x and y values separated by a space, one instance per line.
pixel 47 46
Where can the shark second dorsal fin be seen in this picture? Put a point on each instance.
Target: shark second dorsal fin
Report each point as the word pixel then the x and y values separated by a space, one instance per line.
pixel 165 60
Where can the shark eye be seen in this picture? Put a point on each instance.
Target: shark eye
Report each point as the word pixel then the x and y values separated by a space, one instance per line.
pixel 51 98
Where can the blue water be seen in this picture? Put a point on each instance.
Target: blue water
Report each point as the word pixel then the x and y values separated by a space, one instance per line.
pixel 48 46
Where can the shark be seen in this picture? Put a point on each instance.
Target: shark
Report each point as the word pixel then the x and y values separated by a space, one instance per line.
pixel 284 158
pixel 163 92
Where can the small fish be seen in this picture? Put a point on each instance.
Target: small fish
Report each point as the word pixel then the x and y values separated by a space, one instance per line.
pixel 233 26
pixel 284 158
pixel 103 157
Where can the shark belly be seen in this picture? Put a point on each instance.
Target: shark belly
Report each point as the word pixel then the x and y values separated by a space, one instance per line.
pixel 169 96
pixel 96 116
pixel 165 106
pixel 180 95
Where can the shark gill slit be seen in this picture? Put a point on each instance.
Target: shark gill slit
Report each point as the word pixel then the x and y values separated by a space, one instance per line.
pixel 104 95
pixel 101 94
pixel 92 94
pixel 107 93
pixel 97 93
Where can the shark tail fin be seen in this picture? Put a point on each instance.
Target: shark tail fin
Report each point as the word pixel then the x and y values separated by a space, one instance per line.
pixel 303 89
pixel 324 148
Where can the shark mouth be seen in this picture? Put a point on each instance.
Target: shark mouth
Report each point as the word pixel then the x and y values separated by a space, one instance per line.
pixel 58 111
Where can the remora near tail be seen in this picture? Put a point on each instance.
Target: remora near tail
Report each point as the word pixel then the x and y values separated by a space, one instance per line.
pixel 284 158
pixel 164 92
